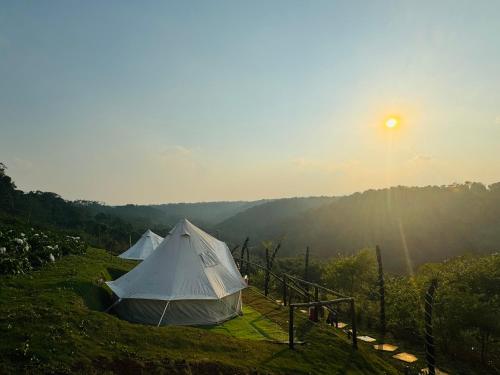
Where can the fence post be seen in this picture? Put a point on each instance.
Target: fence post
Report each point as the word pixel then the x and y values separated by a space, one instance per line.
pixel 381 286
pixel 284 289
pixel 306 268
pixel 247 268
pixel 430 355
pixel 353 325
pixel 266 283
pixel 316 299
pixel 242 254
pixel 266 275
pixel 290 328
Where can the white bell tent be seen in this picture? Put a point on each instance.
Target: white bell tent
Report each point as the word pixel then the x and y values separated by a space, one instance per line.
pixel 190 279
pixel 144 247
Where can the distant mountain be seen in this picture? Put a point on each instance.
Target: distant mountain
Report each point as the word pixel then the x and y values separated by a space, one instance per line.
pixel 412 224
pixel 269 220
pixel 113 227
pixel 206 214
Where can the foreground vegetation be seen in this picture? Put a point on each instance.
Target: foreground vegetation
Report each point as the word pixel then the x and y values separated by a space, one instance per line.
pixel 24 249
pixel 51 321
pixel 466 312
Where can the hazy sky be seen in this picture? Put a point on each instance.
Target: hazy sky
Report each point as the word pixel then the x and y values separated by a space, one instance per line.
pixel 149 102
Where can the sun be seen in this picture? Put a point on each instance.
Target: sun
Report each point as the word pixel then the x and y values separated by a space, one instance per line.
pixel 391 122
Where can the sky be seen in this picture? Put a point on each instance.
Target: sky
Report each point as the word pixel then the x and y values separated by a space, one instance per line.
pixel 171 101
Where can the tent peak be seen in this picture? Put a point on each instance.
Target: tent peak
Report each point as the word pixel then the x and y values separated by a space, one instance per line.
pixel 184 227
pixel 143 247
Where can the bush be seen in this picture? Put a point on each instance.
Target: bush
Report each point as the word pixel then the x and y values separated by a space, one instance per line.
pixel 22 250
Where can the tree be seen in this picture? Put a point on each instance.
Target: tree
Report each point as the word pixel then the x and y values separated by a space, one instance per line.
pixel 7 189
pixel 467 309
pixel 355 274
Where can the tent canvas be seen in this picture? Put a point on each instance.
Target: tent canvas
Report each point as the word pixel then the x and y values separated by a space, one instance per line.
pixel 190 279
pixel 143 248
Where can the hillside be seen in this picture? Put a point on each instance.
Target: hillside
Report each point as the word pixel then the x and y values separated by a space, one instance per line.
pixel 101 225
pixel 413 225
pixel 268 220
pixel 204 213
pixel 51 321
pixel 427 223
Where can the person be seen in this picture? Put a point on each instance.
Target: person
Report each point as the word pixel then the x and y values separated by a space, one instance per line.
pixel 332 318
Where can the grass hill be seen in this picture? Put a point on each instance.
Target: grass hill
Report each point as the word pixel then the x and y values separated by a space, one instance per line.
pixel 51 321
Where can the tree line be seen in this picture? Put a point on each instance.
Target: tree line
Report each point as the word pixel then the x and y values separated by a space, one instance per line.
pixel 414 225
pixel 48 210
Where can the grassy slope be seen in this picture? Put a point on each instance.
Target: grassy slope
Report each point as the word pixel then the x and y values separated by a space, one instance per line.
pixel 252 325
pixel 50 321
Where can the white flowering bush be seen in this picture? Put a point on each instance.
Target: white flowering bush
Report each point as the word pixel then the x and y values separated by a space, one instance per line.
pixel 23 250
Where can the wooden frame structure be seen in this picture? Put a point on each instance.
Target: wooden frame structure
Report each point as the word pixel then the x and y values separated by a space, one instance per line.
pixel 291 284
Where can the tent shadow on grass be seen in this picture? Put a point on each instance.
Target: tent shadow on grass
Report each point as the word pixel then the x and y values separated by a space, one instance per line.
pixel 95 297
pixel 255 325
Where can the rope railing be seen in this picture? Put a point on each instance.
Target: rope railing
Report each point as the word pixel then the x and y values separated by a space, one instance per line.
pixel 292 284
pixel 276 277
pixel 321 287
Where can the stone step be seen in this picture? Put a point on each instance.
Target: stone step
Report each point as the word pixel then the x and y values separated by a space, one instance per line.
pixel 405 357
pixel 385 347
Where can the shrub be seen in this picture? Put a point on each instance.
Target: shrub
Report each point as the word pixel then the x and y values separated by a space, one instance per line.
pixel 22 250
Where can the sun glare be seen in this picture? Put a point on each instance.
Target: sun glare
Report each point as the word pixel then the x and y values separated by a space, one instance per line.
pixel 391 122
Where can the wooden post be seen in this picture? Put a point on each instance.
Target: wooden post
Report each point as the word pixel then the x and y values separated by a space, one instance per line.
pixel 242 254
pixel 266 276
pixel 290 328
pixel 234 249
pixel 381 290
pixel 306 268
pixel 247 267
pixel 316 299
pixel 430 355
pixel 353 325
pixel 284 290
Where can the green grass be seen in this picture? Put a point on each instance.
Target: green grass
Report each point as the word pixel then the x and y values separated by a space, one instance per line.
pixel 251 326
pixel 51 321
